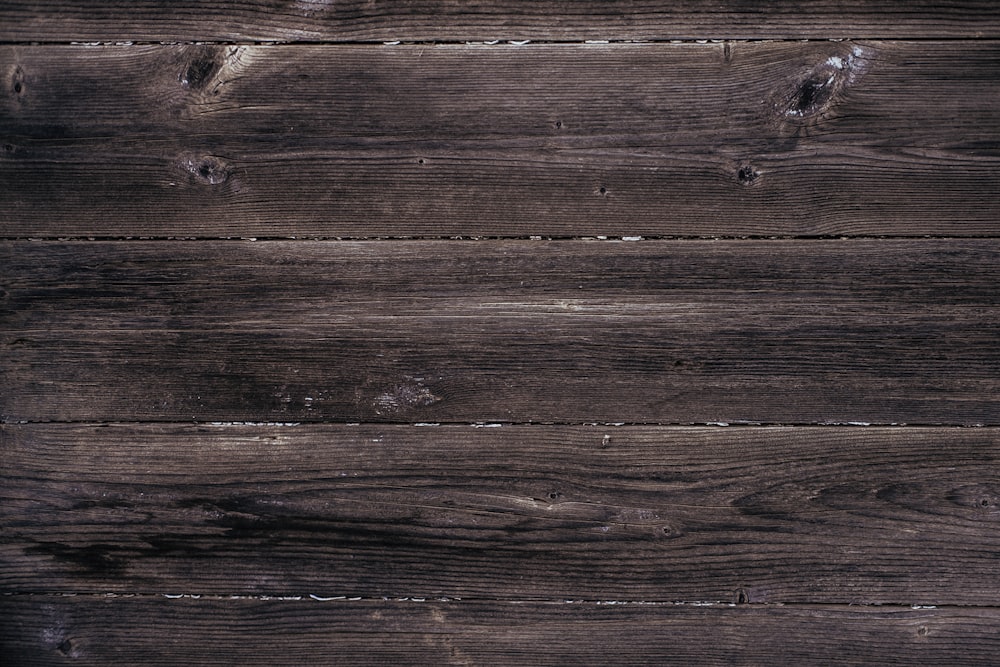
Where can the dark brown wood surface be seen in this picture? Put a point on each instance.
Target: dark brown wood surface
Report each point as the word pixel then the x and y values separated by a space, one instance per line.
pixel 903 331
pixel 758 515
pixel 759 139
pixel 508 333
pixel 93 630
pixel 443 20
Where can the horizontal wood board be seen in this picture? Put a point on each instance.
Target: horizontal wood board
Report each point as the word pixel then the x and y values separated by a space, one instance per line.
pixel 737 139
pixel 101 631
pixel 443 20
pixel 758 515
pixel 892 332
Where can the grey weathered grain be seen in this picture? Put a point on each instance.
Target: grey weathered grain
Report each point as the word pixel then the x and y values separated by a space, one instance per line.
pixel 779 514
pixel 437 20
pixel 150 631
pixel 786 139
pixel 902 331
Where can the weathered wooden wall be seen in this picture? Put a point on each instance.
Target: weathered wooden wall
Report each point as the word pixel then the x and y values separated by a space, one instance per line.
pixel 507 332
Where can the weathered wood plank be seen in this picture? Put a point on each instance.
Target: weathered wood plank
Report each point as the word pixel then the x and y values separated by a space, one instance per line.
pixel 894 331
pixel 437 20
pixel 786 139
pixel 781 514
pixel 151 631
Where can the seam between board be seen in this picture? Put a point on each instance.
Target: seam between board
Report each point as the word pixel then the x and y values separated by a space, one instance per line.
pixel 505 42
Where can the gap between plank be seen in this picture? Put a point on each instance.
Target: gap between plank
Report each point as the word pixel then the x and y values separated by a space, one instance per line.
pixel 719 604
pixel 497 42
pixel 398 239
pixel 502 424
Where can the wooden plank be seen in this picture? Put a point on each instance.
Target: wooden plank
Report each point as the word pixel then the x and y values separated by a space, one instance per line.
pixel 772 139
pixel 781 514
pixel 443 20
pixel 894 331
pixel 157 631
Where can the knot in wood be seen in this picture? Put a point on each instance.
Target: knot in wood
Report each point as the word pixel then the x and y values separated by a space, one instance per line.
pixel 815 93
pixel 747 175
pixel 208 170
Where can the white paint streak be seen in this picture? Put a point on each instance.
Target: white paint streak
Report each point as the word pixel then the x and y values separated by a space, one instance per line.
pixel 254 423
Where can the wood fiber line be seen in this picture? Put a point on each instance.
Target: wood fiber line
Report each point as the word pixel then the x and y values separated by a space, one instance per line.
pixel 437 20
pixel 95 631
pixel 747 139
pixel 758 515
pixel 895 331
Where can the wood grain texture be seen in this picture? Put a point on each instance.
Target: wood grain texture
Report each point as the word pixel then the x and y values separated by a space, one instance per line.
pixel 423 447
pixel 437 20
pixel 902 331
pixel 762 515
pixel 771 139
pixel 151 631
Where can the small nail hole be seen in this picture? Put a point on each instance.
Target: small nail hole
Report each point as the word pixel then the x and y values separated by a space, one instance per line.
pixel 558 124
pixel 420 161
pixel 212 172
pixel 18 87
pixel 555 495
pixel 602 190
